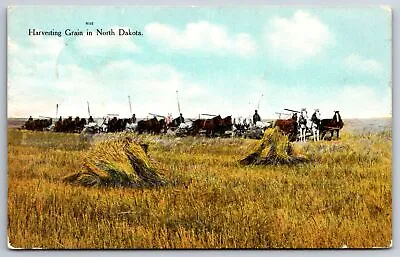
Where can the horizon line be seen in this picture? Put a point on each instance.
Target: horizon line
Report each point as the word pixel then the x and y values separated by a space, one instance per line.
pixel 43 117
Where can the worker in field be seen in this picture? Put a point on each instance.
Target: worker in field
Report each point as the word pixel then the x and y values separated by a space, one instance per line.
pixel 181 119
pixel 168 120
pixel 256 117
pixel 90 120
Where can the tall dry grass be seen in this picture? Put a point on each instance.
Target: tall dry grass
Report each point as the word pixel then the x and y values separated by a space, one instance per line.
pixel 341 197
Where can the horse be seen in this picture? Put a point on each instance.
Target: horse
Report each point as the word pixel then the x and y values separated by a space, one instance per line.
pixel 58 125
pixel 224 125
pixel 239 128
pixel 112 125
pixel 163 126
pixel 332 125
pixel 302 122
pixel 316 124
pixel 288 127
pixel 78 124
pixel 209 125
pixel 70 125
pixel 37 125
pixel 122 123
pixel 176 122
pixel 64 125
pixel 151 126
pixel 117 125
pixel 197 126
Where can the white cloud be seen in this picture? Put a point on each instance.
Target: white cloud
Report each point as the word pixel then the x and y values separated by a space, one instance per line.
pixel 47 46
pixel 362 101
pixel 353 101
pixel 356 62
pixel 203 36
pixel 38 46
pixel 38 58
pixel 12 47
pixel 98 44
pixel 152 89
pixel 37 84
pixel 298 38
pixel 244 44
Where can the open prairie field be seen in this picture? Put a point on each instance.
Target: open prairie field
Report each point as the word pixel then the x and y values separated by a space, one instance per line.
pixel 341 197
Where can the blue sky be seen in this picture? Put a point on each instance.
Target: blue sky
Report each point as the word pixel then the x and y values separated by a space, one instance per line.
pixel 221 61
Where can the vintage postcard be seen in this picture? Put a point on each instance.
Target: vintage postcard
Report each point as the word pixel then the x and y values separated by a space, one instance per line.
pixel 199 127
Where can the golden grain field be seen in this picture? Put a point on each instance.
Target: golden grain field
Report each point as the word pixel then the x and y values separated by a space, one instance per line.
pixel 341 197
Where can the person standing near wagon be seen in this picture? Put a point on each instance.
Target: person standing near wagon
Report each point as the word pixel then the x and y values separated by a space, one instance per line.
pixel 256 117
pixel 181 119
pixel 168 120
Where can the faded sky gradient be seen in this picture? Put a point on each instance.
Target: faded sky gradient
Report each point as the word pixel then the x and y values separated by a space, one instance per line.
pixel 220 59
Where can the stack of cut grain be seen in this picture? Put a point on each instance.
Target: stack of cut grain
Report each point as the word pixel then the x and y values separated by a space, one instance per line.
pixel 117 162
pixel 274 148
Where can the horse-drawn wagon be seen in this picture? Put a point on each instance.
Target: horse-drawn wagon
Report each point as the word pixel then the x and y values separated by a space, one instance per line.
pixel 299 127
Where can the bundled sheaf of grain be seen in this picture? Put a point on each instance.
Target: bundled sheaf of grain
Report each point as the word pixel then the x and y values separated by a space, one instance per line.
pixel 274 148
pixel 117 162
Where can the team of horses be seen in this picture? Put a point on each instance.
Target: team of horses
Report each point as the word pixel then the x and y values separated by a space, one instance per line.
pixel 296 127
pixel 76 125
pixel 69 125
pixel 152 126
pixel 37 124
pixel 211 127
pixel 117 125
